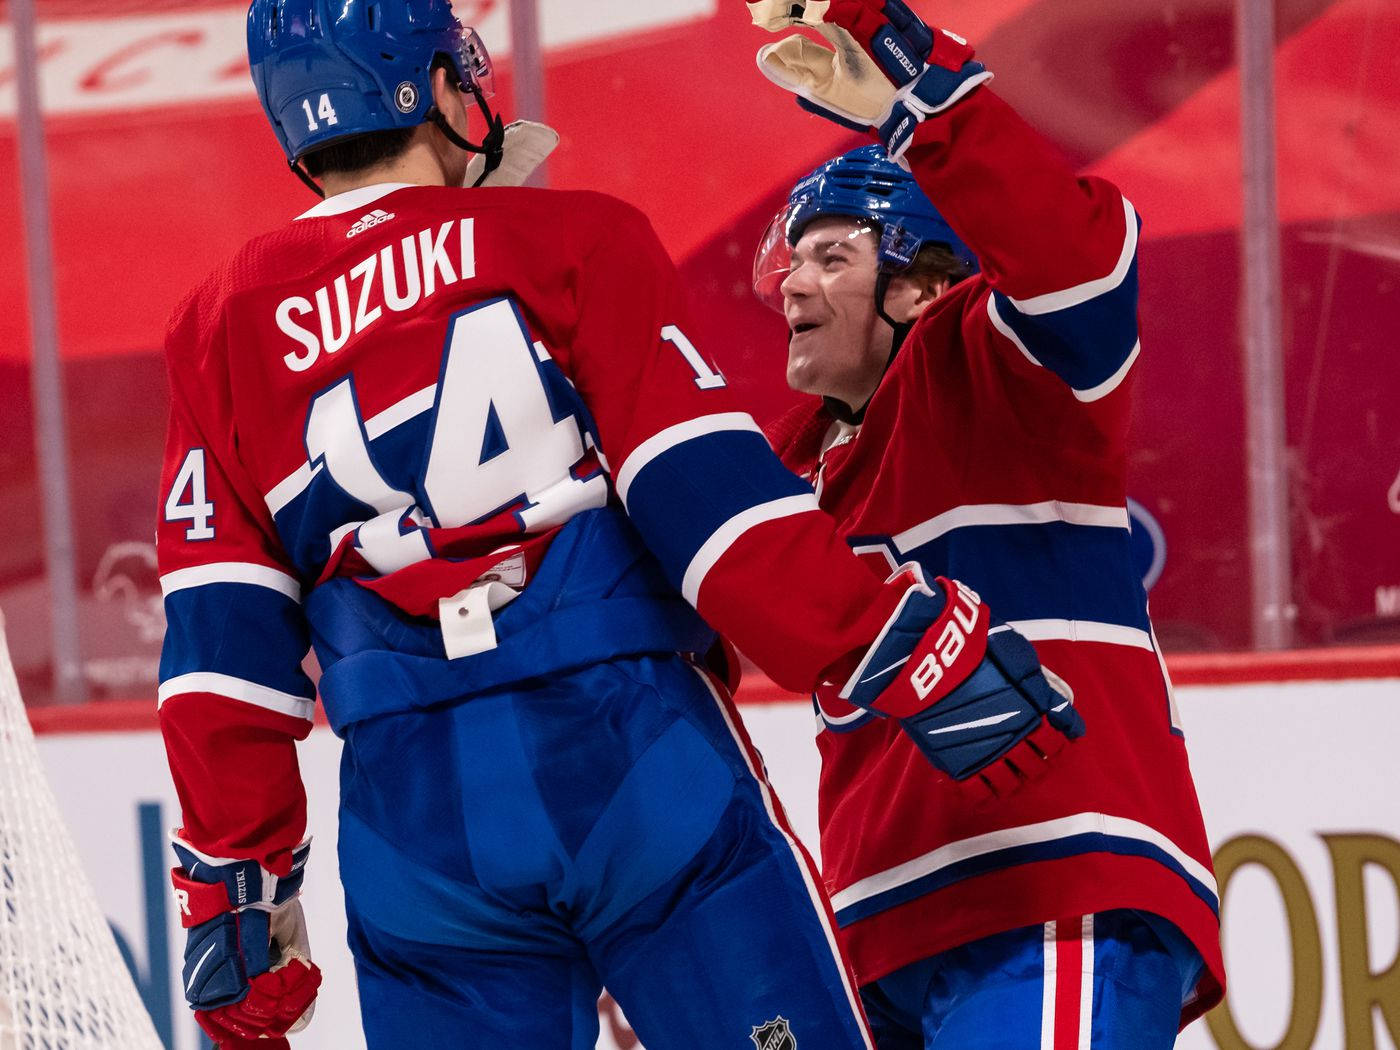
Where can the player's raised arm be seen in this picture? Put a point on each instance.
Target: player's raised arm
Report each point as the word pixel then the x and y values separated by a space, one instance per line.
pixel 745 542
pixel 1058 251
pixel 233 702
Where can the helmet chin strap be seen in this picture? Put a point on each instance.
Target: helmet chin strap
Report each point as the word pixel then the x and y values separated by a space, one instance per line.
pixel 839 409
pixel 306 179
pixel 492 144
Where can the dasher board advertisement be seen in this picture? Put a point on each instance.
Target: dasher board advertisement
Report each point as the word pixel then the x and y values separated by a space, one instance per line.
pixel 1296 781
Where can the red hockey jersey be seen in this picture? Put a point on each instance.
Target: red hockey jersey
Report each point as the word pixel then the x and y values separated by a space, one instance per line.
pixel 418 388
pixel 993 452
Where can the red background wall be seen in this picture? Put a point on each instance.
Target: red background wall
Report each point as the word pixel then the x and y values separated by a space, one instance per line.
pixel 679 122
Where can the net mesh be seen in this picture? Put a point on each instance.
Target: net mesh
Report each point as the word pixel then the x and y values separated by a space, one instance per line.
pixel 63 984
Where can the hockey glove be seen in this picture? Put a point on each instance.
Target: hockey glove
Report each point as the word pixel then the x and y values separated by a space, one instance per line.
pixel 526 146
pixel 886 70
pixel 247 972
pixel 966 688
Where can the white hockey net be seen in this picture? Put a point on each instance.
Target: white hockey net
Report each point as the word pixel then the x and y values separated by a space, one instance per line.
pixel 63 984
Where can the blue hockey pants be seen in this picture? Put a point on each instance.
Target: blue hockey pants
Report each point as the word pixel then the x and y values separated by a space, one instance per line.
pixel 507 857
pixel 1111 981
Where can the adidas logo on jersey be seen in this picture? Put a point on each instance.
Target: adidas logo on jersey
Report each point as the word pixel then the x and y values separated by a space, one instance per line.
pixel 374 218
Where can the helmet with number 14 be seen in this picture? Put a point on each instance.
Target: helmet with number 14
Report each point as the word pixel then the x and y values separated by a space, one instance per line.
pixel 325 71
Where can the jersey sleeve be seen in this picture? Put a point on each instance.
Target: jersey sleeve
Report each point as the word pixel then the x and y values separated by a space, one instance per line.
pixel 233 696
pixel 1059 252
pixel 740 537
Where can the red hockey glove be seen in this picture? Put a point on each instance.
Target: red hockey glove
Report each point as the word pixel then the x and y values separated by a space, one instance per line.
pixel 275 1002
pixel 885 69
pixel 966 688
pixel 278 1042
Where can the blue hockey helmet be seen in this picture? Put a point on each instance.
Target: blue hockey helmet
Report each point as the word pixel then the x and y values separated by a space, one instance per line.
pixel 861 184
pixel 329 69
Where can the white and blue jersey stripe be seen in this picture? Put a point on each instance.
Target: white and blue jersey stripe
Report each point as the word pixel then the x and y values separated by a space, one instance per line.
pixel 1086 334
pixel 1043 562
pixel 1048 840
pixel 235 629
pixel 725 456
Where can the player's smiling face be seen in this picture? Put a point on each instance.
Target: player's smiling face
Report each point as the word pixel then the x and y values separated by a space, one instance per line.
pixel 837 344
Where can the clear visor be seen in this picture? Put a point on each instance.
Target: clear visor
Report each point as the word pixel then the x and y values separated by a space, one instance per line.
pixel 773 261
pixel 476 60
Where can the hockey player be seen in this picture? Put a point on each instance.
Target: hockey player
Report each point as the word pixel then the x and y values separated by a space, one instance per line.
pixel 976 423
pixel 457 440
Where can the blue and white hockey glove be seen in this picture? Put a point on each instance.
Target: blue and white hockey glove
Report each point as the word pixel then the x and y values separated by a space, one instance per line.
pixel 966 688
pixel 248 973
pixel 886 70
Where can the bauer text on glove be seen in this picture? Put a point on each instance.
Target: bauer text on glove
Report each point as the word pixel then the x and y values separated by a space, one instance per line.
pixel 966 688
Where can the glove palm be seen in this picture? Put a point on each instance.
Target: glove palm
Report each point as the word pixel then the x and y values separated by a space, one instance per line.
pixel 840 83
pixel 885 68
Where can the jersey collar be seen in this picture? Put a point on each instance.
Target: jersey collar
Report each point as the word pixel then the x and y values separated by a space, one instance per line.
pixel 351 200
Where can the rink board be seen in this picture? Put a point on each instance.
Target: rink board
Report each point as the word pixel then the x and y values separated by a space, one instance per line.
pixel 1297 780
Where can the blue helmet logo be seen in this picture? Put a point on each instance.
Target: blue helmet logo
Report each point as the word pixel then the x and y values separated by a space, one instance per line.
pixel 328 70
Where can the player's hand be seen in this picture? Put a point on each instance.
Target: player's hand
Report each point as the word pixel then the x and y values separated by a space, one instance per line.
pixel 966 688
pixel 885 69
pixel 265 1043
pixel 248 974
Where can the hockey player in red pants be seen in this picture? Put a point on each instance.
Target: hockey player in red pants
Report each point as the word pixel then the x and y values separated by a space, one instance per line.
pixel 975 423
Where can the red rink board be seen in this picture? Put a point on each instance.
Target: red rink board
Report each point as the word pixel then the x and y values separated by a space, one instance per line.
pixel 1187 669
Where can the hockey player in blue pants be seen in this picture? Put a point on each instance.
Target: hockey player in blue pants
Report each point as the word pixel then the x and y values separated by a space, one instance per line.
pixel 973 366
pixel 670 879
pixel 450 432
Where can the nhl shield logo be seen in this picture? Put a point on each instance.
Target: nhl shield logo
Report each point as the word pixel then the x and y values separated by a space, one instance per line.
pixel 406 97
pixel 774 1035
